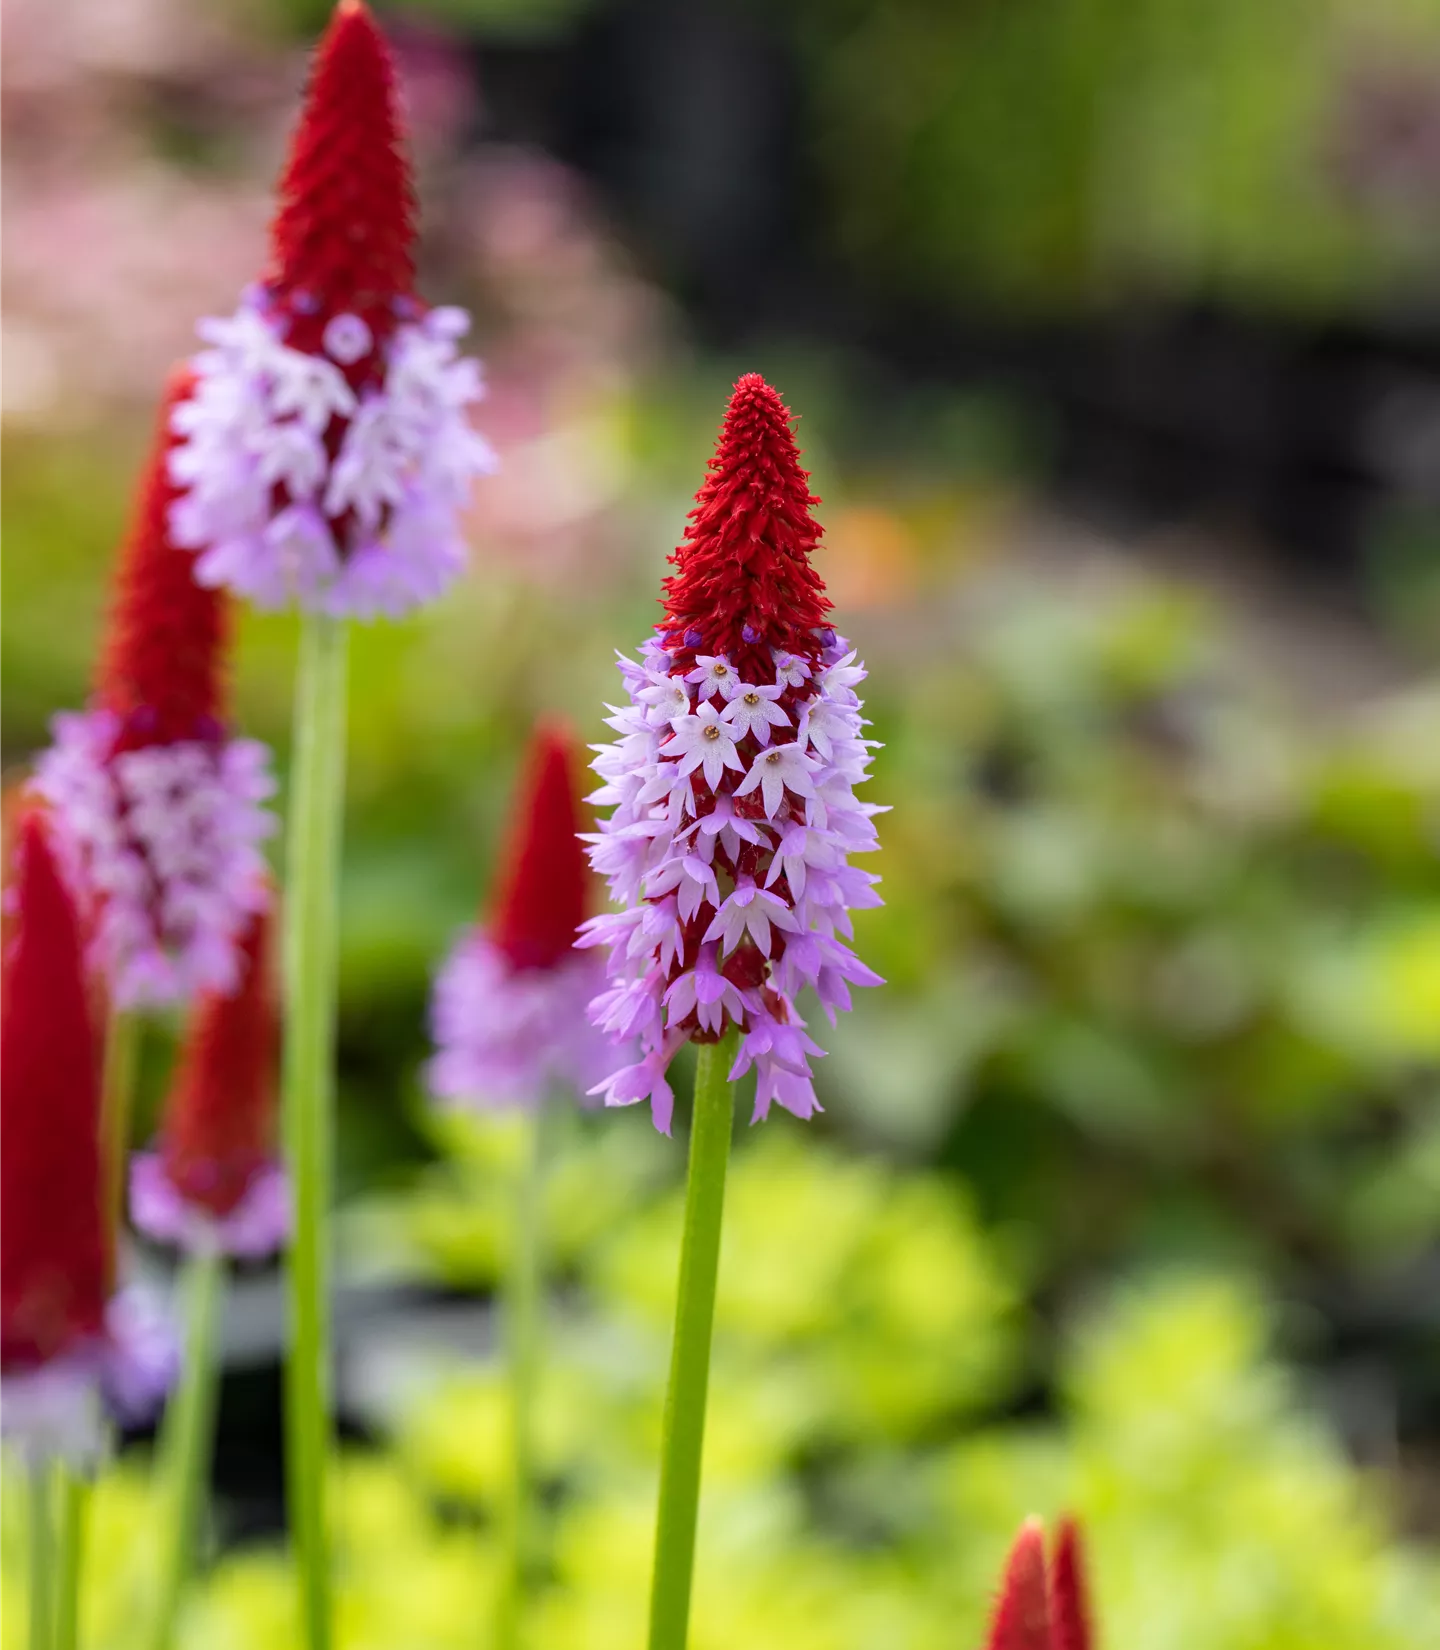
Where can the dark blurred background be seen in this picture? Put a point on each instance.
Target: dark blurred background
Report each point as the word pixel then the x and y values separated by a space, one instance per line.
pixel 1114 329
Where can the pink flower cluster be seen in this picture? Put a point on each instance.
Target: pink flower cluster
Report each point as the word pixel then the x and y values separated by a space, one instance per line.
pixel 165 838
pixel 369 521
pixel 506 1036
pixel 734 818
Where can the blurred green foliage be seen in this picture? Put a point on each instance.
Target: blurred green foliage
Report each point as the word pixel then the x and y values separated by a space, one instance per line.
pixel 1220 1514
pixel 1060 152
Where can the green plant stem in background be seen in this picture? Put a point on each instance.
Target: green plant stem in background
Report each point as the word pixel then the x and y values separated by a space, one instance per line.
pixel 40 1548
pixel 522 1329
pixel 312 896
pixel 684 1432
pixel 117 1103
pixel 187 1441
pixel 74 1503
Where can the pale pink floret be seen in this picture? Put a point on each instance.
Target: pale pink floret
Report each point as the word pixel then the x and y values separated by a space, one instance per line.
pixel 753 710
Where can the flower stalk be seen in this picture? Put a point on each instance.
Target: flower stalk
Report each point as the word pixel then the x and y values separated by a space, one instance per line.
pixel 74 1504
pixel 188 1437
pixel 684 1426
pixel 311 927
pixel 524 1312
pixel 41 1556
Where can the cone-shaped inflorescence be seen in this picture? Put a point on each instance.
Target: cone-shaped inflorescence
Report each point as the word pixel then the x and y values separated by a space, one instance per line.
pixel 343 238
pixel 215 1181
pixel 1022 1612
pixel 508 1014
pixel 327 451
pixel 733 785
pixel 163 664
pixel 1070 1620
pixel 745 586
pixel 160 811
pixel 63 1343
pixel 53 1251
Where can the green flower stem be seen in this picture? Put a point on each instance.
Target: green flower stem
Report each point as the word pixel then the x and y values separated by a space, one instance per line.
pixel 41 1553
pixel 188 1439
pixel 74 1504
pixel 312 897
pixel 684 1433
pixel 522 1328
pixel 117 1102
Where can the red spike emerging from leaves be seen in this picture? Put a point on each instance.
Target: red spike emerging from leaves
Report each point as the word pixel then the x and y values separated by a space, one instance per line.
pixel 1069 1594
pixel 744 582
pixel 1022 1615
pixel 343 238
pixel 52 1242
pixel 218 1131
pixel 540 897
pixel 162 669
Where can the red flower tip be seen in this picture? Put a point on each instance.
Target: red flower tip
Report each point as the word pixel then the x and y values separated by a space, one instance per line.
pixel 52 1241
pixel 744 582
pixel 162 666
pixel 540 896
pixel 344 234
pixel 1022 1615
pixel 1069 1593
pixel 219 1123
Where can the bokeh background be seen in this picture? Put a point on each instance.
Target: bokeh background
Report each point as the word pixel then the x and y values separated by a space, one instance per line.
pixel 1114 326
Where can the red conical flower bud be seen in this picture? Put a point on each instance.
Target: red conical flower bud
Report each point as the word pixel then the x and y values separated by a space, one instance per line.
pixel 343 238
pixel 1022 1616
pixel 162 671
pixel 1069 1594
pixel 219 1124
pixel 52 1242
pixel 745 584
pixel 540 895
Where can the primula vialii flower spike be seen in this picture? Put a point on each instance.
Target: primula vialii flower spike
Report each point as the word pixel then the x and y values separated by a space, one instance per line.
pixel 1022 1615
pixel 53 1254
pixel 63 1344
pixel 157 810
pixel 327 451
pixel 508 1015
pixel 733 785
pixel 1070 1620
pixel 215 1182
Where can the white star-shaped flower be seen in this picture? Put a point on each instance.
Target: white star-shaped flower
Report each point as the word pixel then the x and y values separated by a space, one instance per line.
pixel 667 698
pixel 786 767
pixel 753 710
pixel 703 741
pixel 824 724
pixel 715 674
